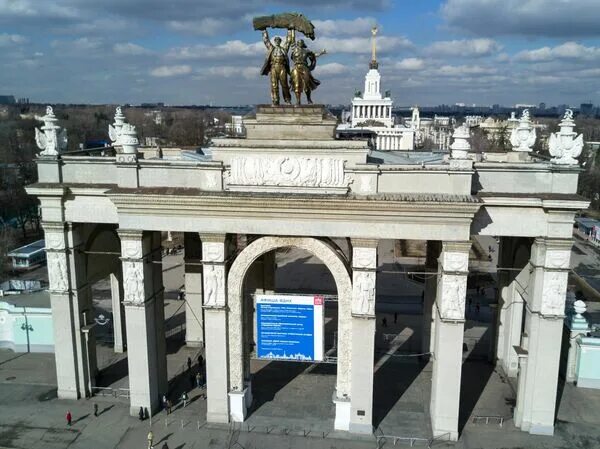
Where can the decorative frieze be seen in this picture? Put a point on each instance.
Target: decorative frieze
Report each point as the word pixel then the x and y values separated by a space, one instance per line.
pixel 213 251
pixel 452 291
pixel 133 282
pixel 288 171
pixel 554 293
pixel 363 294
pixel 365 258
pixel 214 286
pixel 57 272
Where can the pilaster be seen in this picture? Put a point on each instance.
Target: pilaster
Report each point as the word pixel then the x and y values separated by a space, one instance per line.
pixel 429 294
pixel 453 266
pixel 194 315
pixel 214 250
pixel 364 266
pixel 144 311
pixel 116 290
pixel 541 342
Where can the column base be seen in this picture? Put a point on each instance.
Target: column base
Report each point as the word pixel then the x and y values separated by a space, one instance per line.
pixel 237 405
pixel 119 349
pixel 218 418
pixel 342 413
pixel 450 435
pixel 194 343
pixel 364 429
pixel 67 394
pixel 539 429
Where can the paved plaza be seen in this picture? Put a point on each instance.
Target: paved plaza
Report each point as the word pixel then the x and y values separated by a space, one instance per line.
pixel 292 405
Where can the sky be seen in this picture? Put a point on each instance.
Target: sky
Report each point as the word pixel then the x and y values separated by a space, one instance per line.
pixel 206 52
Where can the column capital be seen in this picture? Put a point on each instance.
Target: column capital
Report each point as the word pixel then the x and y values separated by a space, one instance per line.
pixel 364 243
pixel 457 246
pixel 212 237
pixel 552 254
pixel 454 257
pixel 130 234
pixel 54 226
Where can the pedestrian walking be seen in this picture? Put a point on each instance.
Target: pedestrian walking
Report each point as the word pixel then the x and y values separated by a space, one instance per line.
pixel 141 413
pixel 184 398
pixel 477 308
pixel 150 440
pixel 95 409
pixel 164 401
pixel 200 361
pixel 169 406
pixel 189 363
pixel 395 317
pixel 384 322
pixel 198 379
pixel 165 446
pixel 69 417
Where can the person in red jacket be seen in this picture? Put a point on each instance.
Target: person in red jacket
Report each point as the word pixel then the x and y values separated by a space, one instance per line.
pixel 69 417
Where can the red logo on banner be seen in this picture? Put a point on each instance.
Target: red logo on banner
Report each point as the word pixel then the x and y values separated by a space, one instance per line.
pixel 319 300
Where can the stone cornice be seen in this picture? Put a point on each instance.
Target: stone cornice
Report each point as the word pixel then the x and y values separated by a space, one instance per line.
pixel 382 208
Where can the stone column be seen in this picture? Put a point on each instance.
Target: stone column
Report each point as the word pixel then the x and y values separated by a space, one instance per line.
pixel 194 315
pixel 144 318
pixel 429 294
pixel 541 342
pixel 215 321
pixel 116 290
pixel 364 265
pixel 71 310
pixel 453 265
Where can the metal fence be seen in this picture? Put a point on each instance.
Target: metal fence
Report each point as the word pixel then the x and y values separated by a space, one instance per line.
pixel 111 392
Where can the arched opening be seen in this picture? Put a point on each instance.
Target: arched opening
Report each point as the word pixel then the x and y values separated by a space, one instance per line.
pixel 299 264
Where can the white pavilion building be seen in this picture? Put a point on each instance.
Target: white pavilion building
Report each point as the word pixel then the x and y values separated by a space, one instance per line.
pixel 373 111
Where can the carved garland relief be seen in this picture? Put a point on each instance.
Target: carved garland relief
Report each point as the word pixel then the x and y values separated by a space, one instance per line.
pixel 288 171
pixel 455 261
pixel 364 257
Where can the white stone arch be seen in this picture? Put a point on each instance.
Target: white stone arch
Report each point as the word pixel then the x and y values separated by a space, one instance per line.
pixel 336 265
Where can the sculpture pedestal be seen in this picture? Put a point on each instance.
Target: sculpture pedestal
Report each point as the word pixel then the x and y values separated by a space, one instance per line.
pixel 289 149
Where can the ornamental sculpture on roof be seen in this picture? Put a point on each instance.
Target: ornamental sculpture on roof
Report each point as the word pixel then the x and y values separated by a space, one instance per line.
pixel 51 139
pixel 277 64
pixel 523 136
pixel 565 145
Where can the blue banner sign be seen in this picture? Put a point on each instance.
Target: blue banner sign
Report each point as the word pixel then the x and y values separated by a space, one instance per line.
pixel 289 327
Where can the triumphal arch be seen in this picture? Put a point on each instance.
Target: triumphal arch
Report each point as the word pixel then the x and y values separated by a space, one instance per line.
pixel 290 183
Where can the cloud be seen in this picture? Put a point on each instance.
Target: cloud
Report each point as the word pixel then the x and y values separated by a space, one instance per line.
pixel 410 64
pixel 465 48
pixel 356 27
pixel 362 45
pixel 170 70
pixel 229 72
pixel 331 68
pixel 130 49
pixel 462 70
pixel 207 26
pixel 7 40
pixel 235 48
pixel 552 18
pixel 566 51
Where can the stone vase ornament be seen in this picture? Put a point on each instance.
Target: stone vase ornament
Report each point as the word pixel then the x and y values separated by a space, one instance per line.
pixel 461 146
pixel 565 145
pixel 50 138
pixel 524 135
pixel 127 139
pixel 115 129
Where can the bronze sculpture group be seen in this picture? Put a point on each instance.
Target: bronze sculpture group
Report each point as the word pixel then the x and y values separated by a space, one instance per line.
pixel 277 64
